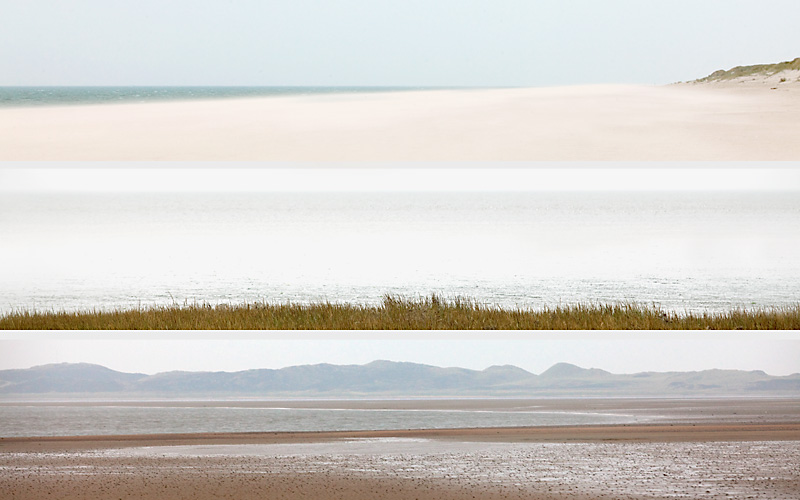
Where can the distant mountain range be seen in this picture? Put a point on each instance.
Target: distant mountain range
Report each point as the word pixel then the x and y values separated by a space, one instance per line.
pixel 388 378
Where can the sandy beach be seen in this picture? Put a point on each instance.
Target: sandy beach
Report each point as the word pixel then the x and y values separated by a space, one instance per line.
pixel 583 123
pixel 626 462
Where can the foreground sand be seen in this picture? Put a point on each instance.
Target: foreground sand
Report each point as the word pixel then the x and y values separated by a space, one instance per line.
pixel 592 123
pixel 639 461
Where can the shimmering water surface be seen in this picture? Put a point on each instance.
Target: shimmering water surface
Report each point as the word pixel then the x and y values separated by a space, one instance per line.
pixel 56 420
pixel 681 251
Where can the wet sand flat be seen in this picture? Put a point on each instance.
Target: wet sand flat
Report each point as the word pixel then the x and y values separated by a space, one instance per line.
pixel 691 448
pixel 591 123
pixel 631 461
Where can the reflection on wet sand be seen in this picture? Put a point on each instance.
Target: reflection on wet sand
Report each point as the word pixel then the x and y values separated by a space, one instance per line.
pixel 394 468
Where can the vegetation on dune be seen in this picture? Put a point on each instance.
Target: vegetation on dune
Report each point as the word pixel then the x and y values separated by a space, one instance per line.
pixel 755 70
pixel 397 313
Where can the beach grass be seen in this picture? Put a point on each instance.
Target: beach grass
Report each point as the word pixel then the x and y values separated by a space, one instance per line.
pixel 398 313
pixel 754 70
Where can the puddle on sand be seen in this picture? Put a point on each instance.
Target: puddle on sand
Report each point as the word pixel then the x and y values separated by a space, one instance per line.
pixel 357 446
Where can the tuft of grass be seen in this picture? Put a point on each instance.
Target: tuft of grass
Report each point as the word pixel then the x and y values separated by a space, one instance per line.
pixel 398 313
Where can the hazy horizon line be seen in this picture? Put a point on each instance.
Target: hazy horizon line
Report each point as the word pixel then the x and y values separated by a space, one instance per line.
pixel 388 361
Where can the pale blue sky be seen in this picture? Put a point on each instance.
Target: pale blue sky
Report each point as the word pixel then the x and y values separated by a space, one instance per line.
pixel 388 42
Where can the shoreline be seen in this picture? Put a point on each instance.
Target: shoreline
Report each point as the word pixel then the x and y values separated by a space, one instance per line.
pixel 347 93
pixel 235 92
pixel 645 419
pixel 642 433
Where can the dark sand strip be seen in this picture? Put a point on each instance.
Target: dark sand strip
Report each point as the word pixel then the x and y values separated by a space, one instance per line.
pixel 213 485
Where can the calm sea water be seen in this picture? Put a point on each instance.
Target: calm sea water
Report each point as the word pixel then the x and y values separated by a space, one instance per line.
pixel 680 251
pixel 55 420
pixel 49 96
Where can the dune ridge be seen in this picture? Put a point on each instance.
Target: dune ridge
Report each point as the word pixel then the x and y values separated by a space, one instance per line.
pixel 782 75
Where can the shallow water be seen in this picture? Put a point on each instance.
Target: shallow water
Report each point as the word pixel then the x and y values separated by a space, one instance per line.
pixel 681 251
pixel 99 419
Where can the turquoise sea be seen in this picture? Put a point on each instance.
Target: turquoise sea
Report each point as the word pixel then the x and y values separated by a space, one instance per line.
pixel 50 96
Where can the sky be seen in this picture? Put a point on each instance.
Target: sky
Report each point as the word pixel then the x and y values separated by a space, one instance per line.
pixel 777 353
pixel 388 42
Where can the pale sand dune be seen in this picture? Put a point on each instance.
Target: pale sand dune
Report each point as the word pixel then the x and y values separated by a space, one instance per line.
pixel 775 76
pixel 784 80
pixel 593 123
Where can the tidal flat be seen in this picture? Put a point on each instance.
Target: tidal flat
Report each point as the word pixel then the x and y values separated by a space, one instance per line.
pixel 700 449
pixel 412 468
